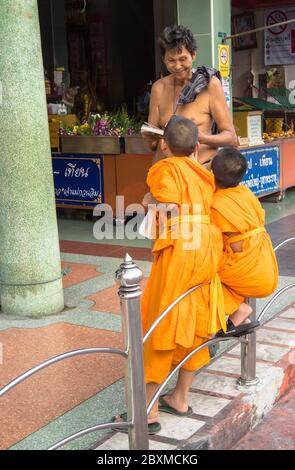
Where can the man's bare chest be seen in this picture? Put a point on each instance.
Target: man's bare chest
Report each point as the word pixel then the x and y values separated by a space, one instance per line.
pixel 198 109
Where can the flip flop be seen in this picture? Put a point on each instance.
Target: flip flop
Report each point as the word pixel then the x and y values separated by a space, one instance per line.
pixel 236 331
pixel 153 428
pixel 163 406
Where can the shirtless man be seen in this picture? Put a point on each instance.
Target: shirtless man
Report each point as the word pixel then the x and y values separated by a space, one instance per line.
pixel 178 49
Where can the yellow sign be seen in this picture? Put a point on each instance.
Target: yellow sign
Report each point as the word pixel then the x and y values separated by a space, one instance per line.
pixel 223 60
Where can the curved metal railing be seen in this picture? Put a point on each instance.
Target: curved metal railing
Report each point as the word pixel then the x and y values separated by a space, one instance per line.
pixel 54 360
pixel 284 243
pixel 168 309
pixel 73 437
pixel 131 424
pixel 281 291
pixel 207 343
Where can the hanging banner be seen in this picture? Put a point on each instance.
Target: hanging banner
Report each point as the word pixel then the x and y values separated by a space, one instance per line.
pixel 279 40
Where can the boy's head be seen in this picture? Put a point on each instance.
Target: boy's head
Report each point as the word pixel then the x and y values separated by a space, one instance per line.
pixel 181 136
pixel 229 167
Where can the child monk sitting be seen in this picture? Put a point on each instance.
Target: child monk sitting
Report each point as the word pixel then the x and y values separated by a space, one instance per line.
pixel 249 267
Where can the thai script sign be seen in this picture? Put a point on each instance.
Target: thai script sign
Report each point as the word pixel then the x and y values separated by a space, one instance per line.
pixel 263 175
pixel 78 179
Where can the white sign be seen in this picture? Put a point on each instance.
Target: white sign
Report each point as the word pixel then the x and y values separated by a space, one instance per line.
pixel 280 40
pixel 226 88
pixel 254 129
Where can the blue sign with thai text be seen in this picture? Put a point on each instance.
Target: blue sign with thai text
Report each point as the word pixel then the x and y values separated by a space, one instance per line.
pixel 263 175
pixel 78 179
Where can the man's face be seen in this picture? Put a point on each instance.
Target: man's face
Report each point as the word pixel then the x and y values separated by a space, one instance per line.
pixel 179 63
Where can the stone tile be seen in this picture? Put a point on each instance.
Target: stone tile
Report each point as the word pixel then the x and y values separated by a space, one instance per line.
pixel 278 337
pixel 216 383
pixel 107 300
pixel 59 388
pixel 282 324
pixel 120 442
pixel 264 352
pixel 175 427
pixel 113 251
pixel 232 365
pixel 78 273
pixel 206 404
pixel 290 313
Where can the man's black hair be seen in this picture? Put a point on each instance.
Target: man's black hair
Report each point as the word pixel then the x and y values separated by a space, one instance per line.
pixel 176 37
pixel 229 167
pixel 181 135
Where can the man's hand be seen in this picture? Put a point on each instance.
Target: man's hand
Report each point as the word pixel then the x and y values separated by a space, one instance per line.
pixel 148 199
pixel 202 138
pixel 151 141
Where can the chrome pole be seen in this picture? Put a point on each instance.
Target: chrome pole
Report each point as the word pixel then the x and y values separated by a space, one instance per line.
pixel 248 354
pixel 129 276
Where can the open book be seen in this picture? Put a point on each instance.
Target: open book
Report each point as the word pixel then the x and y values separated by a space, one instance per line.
pixel 149 129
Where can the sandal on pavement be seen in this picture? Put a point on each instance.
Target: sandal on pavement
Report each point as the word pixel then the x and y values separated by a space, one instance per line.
pixel 153 428
pixel 237 331
pixel 166 408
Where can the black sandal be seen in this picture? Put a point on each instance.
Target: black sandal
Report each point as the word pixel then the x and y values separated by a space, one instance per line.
pixel 237 331
pixel 153 428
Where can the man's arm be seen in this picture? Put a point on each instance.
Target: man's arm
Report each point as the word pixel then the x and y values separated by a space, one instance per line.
pixel 221 115
pixel 153 118
pixel 154 112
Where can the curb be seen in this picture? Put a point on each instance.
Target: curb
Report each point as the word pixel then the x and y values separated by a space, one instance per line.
pixel 224 411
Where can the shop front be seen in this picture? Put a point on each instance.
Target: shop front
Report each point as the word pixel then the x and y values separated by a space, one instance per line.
pixel 106 70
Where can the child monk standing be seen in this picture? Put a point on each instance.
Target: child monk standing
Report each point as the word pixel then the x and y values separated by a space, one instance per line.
pixel 179 265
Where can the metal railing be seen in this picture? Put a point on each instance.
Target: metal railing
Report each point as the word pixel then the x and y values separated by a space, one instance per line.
pixel 128 276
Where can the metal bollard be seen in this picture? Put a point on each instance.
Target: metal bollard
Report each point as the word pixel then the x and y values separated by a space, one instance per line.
pixel 129 276
pixel 248 354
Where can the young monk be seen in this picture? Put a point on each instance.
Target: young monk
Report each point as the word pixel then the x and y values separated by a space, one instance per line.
pixel 181 181
pixel 249 267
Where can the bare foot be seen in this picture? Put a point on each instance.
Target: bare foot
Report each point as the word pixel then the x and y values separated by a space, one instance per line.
pixel 241 315
pixel 176 403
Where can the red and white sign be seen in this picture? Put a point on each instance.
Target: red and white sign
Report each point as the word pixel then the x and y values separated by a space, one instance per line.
pixel 279 40
pixel 277 16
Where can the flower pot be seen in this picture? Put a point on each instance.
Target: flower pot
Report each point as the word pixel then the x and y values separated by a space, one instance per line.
pixel 136 144
pixel 92 144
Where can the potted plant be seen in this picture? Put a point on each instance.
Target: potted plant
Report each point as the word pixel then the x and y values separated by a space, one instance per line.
pixel 100 133
pixel 90 138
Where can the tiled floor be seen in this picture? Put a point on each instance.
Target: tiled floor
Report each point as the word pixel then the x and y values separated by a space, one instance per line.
pixel 84 391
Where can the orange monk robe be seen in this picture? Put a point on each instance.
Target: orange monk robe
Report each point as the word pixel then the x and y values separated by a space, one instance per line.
pixel 181 180
pixel 253 272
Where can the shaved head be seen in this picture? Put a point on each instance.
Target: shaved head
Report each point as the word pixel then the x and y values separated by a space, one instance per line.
pixel 181 136
pixel 229 167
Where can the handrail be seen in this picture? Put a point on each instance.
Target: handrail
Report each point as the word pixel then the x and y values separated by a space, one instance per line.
pixel 281 291
pixel 269 304
pixel 125 424
pixel 192 353
pixel 54 360
pixel 284 243
pixel 171 306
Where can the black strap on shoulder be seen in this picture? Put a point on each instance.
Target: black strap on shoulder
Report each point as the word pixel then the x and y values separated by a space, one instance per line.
pixel 199 81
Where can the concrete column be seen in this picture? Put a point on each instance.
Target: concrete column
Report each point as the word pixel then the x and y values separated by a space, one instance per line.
pixel 30 272
pixel 206 20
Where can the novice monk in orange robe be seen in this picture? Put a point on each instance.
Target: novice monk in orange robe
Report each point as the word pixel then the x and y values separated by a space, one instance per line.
pixel 181 180
pixel 249 267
